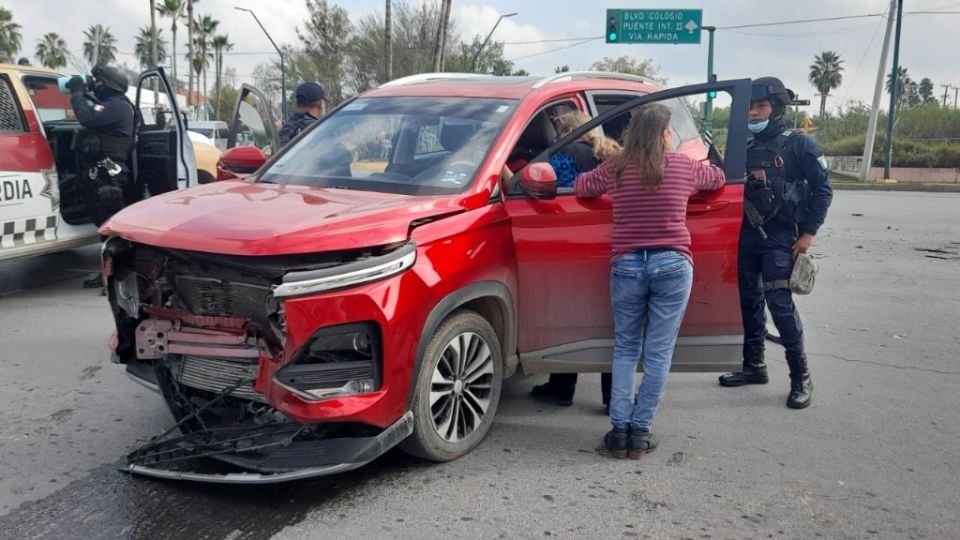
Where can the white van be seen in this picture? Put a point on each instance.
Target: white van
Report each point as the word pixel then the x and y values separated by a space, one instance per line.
pixel 212 129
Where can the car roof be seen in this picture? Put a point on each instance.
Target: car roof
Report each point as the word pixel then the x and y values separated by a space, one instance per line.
pixel 518 88
pixel 16 68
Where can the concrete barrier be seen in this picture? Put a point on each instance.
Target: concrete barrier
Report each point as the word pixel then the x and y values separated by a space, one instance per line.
pixel 850 166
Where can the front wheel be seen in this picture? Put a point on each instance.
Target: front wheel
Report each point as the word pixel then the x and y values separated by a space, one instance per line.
pixel 457 389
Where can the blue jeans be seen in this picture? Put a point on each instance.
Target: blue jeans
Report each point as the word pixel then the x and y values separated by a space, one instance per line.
pixel 649 290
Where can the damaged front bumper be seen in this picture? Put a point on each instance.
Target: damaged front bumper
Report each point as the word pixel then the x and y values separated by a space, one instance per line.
pixel 283 461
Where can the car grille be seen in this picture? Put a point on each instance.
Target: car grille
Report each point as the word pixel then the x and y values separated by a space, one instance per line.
pixel 211 296
pixel 216 374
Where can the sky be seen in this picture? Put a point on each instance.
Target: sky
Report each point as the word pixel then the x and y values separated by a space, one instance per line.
pixel 929 42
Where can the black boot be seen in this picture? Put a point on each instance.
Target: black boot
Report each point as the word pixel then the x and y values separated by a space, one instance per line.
pixel 96 282
pixel 801 385
pixel 558 390
pixel 754 369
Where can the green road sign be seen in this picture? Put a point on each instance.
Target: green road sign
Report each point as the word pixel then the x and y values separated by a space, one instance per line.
pixel 654 25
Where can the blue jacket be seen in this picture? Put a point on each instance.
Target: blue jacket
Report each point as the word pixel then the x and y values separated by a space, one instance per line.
pixel 297 123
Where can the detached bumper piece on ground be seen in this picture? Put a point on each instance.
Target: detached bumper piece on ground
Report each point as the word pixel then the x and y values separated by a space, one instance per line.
pixel 263 450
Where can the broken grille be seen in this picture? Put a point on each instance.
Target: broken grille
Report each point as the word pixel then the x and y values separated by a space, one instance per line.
pixel 215 374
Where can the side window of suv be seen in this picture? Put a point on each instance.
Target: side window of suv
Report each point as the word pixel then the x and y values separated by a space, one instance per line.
pixel 540 133
pixel 681 122
pixel 11 121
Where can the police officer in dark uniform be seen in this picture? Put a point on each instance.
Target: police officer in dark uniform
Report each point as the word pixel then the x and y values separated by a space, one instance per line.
pixel 785 200
pixel 105 151
pixel 311 105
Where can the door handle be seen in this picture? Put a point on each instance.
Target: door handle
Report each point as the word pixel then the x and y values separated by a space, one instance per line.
pixel 702 207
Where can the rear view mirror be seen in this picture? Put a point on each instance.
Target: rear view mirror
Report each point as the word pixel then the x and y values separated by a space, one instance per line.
pixel 539 180
pixel 239 162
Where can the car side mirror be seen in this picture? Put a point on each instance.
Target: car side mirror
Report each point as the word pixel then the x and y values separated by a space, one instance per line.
pixel 239 162
pixel 539 180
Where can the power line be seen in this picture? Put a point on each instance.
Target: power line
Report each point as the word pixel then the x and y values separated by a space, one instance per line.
pixel 801 21
pixel 862 58
pixel 588 40
pixel 838 31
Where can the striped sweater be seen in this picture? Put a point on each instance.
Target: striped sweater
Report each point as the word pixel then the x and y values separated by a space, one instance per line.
pixel 651 219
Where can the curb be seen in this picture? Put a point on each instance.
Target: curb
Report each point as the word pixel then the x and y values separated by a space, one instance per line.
pixel 872 186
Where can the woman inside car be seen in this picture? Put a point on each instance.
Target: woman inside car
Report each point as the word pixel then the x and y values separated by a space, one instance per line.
pixel 651 270
pixel 583 155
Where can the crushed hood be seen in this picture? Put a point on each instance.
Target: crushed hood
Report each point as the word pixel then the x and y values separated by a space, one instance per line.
pixel 244 218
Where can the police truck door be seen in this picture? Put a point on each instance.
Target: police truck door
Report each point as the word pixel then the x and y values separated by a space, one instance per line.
pixel 165 159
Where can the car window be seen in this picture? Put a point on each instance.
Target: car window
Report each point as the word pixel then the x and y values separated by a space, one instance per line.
pixel 11 120
pixel 539 134
pixel 681 122
pixel 684 127
pixel 396 144
pixel 49 102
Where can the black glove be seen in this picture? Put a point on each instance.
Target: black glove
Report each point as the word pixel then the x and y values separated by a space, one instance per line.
pixel 76 85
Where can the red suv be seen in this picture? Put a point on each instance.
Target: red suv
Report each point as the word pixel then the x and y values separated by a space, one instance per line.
pixel 374 282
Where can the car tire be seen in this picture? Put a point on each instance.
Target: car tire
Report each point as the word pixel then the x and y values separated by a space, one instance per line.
pixel 203 177
pixel 457 389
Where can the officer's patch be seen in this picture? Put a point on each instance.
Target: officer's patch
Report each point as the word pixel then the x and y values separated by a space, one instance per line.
pixel 98 108
pixel 823 162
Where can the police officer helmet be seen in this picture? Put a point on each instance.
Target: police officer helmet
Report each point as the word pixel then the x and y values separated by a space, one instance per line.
pixel 111 77
pixel 771 89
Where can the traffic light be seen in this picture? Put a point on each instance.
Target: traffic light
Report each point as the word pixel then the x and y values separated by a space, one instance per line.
pixel 613 29
pixel 712 94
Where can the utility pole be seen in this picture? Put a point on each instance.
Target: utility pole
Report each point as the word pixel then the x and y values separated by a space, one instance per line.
pixel 946 88
pixel 708 106
pixel 388 42
pixel 867 160
pixel 438 49
pixel 955 88
pixel 893 90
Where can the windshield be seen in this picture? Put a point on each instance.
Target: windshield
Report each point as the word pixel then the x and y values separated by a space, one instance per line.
pixel 51 104
pixel 415 145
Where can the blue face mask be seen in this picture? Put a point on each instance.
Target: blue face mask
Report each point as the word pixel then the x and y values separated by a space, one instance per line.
pixel 758 127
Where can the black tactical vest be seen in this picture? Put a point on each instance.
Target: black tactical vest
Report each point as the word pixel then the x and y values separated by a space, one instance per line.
pixel 789 190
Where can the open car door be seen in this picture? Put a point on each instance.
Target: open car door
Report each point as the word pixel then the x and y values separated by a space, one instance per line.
pixel 253 123
pixel 165 159
pixel 563 257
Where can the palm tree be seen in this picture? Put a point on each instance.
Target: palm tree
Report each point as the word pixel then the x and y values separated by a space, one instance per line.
pixel 100 46
pixel 153 32
pixel 190 51
pixel 903 81
pixel 825 75
pixel 220 45
pixel 10 38
pixel 205 28
pixel 197 64
pixel 174 10
pixel 144 48
pixel 52 51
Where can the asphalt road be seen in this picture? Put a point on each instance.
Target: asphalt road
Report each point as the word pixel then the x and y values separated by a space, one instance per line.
pixel 876 456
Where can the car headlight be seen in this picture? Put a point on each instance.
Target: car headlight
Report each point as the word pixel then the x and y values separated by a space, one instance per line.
pixel 347 275
pixel 335 362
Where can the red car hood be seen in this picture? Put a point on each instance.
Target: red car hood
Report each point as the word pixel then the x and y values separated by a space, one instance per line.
pixel 243 218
